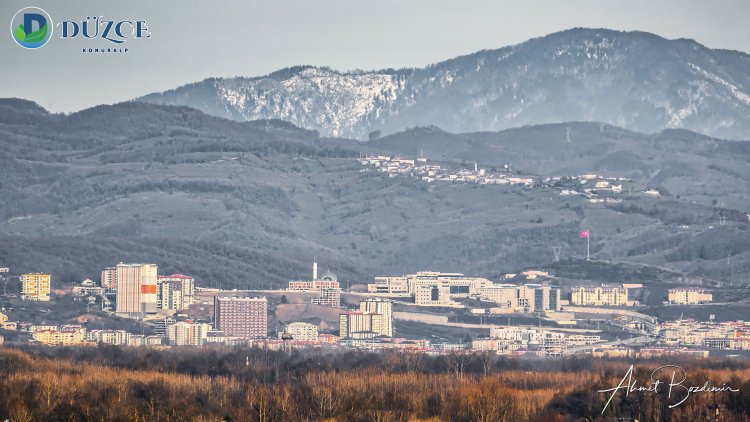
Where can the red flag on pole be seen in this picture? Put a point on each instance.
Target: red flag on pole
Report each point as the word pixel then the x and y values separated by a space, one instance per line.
pixel 585 234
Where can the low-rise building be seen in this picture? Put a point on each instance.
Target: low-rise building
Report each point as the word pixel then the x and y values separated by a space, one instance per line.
pixel 87 288
pixel 505 295
pixel 138 340
pixel 64 335
pixel 398 285
pixel 441 289
pixel 653 352
pixel 525 298
pixel 430 288
pixel 599 296
pixel 219 337
pixel 507 339
pixel 114 337
pixel 582 340
pixel 689 295
pixel 326 338
pixel 312 285
pixel 327 281
pixel 613 352
pixel 732 335
pixel 533 274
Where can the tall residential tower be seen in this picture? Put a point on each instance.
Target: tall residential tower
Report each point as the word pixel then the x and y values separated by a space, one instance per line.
pixel 136 289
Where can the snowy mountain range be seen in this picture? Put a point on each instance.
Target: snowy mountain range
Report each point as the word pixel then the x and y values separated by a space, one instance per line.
pixel 634 80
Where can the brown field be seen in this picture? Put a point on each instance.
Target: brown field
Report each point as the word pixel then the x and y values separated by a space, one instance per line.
pixel 107 383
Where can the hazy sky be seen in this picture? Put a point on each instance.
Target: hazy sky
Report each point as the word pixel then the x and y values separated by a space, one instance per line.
pixel 193 40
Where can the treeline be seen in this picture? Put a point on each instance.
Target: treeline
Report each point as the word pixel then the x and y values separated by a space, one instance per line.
pixel 109 383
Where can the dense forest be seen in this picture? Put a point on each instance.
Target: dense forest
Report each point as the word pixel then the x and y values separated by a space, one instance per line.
pixel 110 383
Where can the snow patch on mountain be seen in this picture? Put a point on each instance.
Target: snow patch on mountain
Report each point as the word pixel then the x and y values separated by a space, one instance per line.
pixel 315 97
pixel 736 92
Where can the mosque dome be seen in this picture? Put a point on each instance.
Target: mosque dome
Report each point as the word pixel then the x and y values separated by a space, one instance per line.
pixel 328 276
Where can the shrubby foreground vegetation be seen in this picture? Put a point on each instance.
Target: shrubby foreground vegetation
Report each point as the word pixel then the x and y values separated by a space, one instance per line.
pixel 109 383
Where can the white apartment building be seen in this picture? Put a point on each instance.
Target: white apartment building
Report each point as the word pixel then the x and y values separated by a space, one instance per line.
pixel 300 331
pixel 114 337
pixel 358 325
pixel 175 292
pixel 382 307
pixel 187 333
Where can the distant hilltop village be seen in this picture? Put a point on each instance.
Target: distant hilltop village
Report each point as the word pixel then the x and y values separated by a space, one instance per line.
pixel 595 188
pixel 527 313
pixel 419 167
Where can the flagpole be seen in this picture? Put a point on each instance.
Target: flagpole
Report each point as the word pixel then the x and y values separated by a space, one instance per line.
pixel 588 236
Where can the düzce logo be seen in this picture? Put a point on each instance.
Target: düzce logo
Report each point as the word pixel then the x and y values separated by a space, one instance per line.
pixel 31 27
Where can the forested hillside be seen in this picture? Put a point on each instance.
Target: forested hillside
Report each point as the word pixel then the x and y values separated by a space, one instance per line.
pixel 250 204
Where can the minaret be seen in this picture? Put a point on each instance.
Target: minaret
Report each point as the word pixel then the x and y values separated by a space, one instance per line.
pixel 315 269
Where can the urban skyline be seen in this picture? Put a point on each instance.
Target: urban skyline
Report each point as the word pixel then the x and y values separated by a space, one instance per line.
pixel 375 211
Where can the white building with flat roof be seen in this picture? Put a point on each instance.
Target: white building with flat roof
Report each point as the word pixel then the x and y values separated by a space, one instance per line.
pixel 300 331
pixel 599 296
pixel 382 307
pixel 430 288
pixel 114 337
pixel 187 333
pixel 689 295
